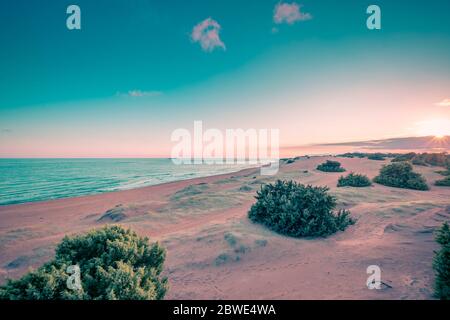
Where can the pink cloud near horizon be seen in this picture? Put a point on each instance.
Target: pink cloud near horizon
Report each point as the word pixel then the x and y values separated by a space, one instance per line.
pixel 443 103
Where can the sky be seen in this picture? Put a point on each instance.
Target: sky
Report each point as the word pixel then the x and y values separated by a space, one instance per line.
pixel 139 69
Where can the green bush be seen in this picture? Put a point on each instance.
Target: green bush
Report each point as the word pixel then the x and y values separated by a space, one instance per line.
pixel 443 172
pixel 354 180
pixel 330 166
pixel 115 264
pixel 422 159
pixel 404 157
pixel 371 156
pixel 298 210
pixel 352 155
pixel 419 162
pixel 435 159
pixel 441 264
pixel 376 156
pixel 444 182
pixel 401 175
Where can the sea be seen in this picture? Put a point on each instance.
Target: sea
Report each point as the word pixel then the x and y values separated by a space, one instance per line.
pixel 31 180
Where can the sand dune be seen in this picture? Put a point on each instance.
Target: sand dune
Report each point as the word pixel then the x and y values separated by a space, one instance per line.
pixel 215 252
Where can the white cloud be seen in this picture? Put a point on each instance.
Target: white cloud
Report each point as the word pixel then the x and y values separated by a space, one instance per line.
pixel 289 13
pixel 443 103
pixel 206 33
pixel 139 94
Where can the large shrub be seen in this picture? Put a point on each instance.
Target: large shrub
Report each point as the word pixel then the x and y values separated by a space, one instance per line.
pixel 441 264
pixel 330 166
pixel 114 264
pixel 401 175
pixel 354 180
pixel 298 210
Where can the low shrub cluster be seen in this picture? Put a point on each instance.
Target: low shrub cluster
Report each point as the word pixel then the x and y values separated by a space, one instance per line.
pixel 114 264
pixel 404 157
pixel 434 159
pixel 354 180
pixel 297 210
pixel 444 172
pixel 371 156
pixel 422 159
pixel 401 175
pixel 376 156
pixel 441 264
pixel 353 155
pixel 443 182
pixel 290 160
pixel 330 166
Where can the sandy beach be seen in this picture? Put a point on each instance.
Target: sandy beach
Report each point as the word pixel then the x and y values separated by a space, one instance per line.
pixel 215 252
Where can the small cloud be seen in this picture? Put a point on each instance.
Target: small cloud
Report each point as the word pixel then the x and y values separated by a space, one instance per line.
pixel 206 33
pixel 140 94
pixel 5 131
pixel 443 103
pixel 274 30
pixel 289 13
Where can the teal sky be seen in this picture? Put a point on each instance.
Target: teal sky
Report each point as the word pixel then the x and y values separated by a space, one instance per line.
pixel 133 73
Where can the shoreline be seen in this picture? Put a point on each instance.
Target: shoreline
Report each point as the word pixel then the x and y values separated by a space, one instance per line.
pixel 2 206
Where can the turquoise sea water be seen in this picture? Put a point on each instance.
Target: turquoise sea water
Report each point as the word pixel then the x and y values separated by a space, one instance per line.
pixel 29 180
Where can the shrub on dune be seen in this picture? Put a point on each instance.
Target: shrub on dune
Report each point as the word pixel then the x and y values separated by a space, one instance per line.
pixel 354 180
pixel 424 159
pixel 330 166
pixel 297 210
pixel 443 182
pixel 444 172
pixel 401 175
pixel 114 264
pixel 376 156
pixel 435 159
pixel 419 162
pixel 441 264
pixel 404 157
pixel 352 155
